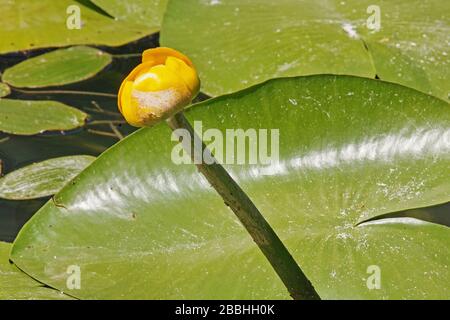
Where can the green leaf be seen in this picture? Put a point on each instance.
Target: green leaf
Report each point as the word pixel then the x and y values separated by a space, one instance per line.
pixel 16 285
pixel 4 90
pixel 246 42
pixel 25 117
pixel 58 67
pixel 29 24
pixel 43 178
pixel 350 149
pixel 148 13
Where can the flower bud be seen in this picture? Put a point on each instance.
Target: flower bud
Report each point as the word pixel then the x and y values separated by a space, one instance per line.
pixel 163 84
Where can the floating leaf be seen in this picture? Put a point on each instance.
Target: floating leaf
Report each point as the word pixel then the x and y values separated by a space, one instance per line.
pixel 25 117
pixel 148 13
pixel 58 67
pixel 4 90
pixel 16 285
pixel 28 24
pixel 235 43
pixel 350 149
pixel 43 178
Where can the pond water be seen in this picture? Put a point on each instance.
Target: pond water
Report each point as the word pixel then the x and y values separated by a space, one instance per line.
pixel 18 151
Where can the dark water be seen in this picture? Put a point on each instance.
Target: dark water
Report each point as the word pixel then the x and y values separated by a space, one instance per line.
pixel 18 151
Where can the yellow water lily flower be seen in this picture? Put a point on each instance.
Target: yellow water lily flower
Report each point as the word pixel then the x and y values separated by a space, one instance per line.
pixel 163 84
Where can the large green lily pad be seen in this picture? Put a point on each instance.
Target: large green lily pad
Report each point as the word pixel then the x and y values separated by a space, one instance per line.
pixel 58 67
pixel 350 149
pixel 238 43
pixel 28 24
pixel 16 285
pixel 42 179
pixel 26 117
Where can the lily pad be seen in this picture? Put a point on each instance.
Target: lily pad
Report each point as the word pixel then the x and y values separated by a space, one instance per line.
pixel 58 67
pixel 29 24
pixel 26 117
pixel 350 149
pixel 148 13
pixel 4 90
pixel 43 178
pixel 246 42
pixel 16 285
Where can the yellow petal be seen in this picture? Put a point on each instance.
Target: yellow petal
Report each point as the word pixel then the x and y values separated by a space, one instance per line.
pixel 158 78
pixel 187 73
pixel 131 76
pixel 129 107
pixel 159 56
pixel 164 83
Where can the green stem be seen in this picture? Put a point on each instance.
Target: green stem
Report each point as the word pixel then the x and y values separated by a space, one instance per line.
pixel 101 122
pixel 299 287
pixel 127 55
pixel 116 131
pixel 105 112
pixel 86 93
pixel 102 133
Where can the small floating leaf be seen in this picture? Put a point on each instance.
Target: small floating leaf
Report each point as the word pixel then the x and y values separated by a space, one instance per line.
pixel 43 178
pixel 58 67
pixel 4 90
pixel 25 117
